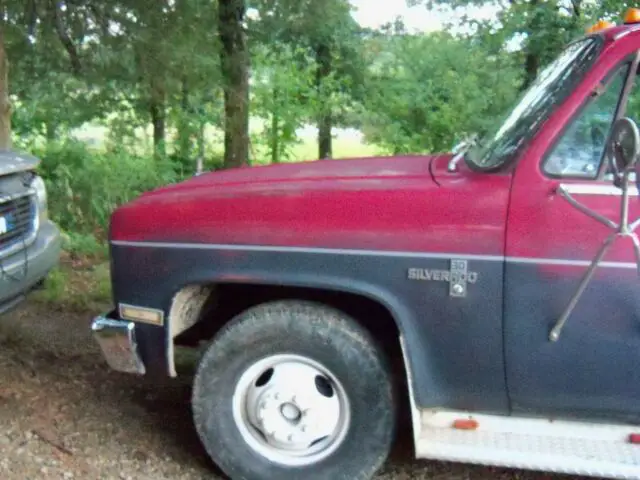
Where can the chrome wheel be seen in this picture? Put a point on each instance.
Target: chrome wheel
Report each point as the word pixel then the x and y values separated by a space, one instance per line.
pixel 291 410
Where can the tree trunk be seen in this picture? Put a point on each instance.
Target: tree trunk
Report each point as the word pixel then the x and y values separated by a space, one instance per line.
pixel 325 122
pixel 184 127
pixel 65 39
pixel 158 117
pixel 235 73
pixel 200 161
pixel 531 65
pixel 275 129
pixel 5 104
pixel 325 143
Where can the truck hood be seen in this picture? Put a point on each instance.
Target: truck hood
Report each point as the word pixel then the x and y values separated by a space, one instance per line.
pixel 409 203
pixel 299 175
pixel 13 162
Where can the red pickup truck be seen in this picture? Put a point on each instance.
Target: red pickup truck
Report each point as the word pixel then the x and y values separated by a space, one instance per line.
pixel 475 269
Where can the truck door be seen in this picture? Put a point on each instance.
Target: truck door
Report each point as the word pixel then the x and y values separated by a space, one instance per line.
pixel 593 369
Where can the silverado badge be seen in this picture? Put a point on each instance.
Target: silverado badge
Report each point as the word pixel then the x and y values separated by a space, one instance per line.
pixel 457 277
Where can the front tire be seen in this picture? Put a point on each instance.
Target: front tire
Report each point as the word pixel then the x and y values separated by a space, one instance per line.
pixel 295 390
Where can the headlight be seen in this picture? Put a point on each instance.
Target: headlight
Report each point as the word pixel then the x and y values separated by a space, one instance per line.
pixel 41 195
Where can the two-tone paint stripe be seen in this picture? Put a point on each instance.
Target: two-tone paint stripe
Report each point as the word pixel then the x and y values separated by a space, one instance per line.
pixel 373 253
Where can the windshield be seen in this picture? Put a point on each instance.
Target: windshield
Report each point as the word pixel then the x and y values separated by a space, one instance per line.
pixel 551 86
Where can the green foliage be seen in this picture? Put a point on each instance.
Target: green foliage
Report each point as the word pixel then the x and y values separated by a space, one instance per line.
pixel 279 87
pixel 85 186
pixel 54 286
pixel 84 245
pixel 327 53
pixel 422 102
pixel 77 287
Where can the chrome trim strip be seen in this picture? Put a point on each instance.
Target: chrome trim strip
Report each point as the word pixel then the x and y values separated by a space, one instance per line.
pixel 283 249
pixel 15 196
pixel 382 253
pixel 596 189
pixel 569 263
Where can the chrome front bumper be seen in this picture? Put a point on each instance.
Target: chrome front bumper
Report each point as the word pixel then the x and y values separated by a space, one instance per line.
pixel 117 339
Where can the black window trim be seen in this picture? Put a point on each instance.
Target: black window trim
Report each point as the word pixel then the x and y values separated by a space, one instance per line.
pixel 606 81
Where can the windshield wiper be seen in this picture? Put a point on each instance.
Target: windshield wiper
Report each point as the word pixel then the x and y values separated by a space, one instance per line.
pixel 460 150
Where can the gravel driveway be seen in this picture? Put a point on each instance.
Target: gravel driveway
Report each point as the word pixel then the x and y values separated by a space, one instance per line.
pixel 64 415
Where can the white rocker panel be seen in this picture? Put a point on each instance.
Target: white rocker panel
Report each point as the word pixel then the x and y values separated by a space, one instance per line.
pixel 598 450
pixel 571 447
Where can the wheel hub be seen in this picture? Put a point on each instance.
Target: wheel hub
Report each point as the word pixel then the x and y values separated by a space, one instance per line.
pixel 284 423
pixel 291 410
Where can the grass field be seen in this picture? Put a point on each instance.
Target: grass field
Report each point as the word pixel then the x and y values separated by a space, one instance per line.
pixel 347 143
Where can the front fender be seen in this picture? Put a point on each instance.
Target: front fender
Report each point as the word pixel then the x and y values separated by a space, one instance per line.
pixel 151 275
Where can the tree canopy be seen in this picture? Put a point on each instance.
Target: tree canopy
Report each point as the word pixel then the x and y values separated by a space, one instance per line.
pixel 158 89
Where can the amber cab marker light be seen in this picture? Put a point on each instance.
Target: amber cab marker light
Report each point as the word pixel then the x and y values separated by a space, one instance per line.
pixel 465 424
pixel 600 25
pixel 632 16
pixel 141 314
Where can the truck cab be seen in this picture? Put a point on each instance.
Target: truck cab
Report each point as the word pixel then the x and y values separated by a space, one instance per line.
pixel 504 276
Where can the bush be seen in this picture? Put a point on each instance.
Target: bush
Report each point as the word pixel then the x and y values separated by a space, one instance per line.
pixel 85 245
pixel 85 186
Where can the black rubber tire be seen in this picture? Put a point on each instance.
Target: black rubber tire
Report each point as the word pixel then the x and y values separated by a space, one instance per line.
pixel 326 335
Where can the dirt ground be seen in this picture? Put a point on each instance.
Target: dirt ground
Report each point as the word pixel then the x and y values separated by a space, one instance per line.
pixel 65 415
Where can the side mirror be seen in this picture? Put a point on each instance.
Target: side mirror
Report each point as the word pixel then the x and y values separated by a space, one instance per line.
pixel 625 149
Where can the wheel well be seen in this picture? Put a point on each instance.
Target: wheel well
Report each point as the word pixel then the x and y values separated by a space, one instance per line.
pixel 216 305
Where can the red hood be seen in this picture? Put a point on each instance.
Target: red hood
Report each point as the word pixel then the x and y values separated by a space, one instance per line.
pixel 298 174
pixel 398 203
